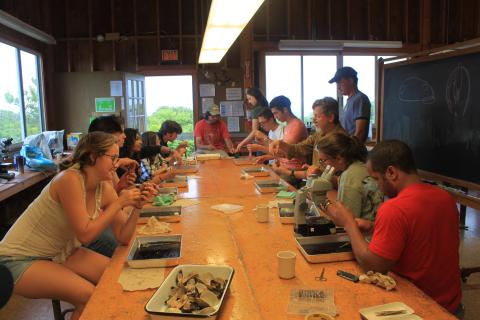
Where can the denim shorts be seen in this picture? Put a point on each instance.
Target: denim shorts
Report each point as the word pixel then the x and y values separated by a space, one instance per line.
pixel 18 265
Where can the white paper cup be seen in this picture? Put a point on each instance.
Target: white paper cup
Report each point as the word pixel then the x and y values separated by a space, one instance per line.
pixel 261 212
pixel 286 264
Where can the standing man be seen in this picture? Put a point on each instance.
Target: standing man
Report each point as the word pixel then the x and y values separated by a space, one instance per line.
pixel 356 116
pixel 416 231
pixel 294 132
pixel 211 133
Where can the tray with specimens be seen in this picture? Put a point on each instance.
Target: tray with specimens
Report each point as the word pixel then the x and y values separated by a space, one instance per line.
pixel 186 168
pixel 165 214
pixel 328 248
pixel 259 171
pixel 155 251
pixel 177 181
pixel 204 286
pixel 271 186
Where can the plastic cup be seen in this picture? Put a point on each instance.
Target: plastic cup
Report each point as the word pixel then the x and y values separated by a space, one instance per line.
pixel 262 213
pixel 286 264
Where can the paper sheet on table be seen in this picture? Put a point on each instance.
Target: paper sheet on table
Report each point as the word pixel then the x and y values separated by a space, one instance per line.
pixel 141 279
pixel 227 208
pixel 154 226
pixel 274 203
pixel 185 202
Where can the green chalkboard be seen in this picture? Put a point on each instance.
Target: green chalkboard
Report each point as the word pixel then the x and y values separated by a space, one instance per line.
pixel 433 106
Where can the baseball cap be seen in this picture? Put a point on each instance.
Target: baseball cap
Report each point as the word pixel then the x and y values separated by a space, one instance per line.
pixel 214 110
pixel 344 72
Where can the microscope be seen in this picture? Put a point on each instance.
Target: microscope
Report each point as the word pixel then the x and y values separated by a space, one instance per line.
pixel 307 219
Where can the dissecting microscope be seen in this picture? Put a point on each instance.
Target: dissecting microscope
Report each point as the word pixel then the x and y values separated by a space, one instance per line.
pixel 5 145
pixel 307 220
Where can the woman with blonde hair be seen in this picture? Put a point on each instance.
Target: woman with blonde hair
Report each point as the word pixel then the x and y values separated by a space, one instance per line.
pixel 153 168
pixel 43 249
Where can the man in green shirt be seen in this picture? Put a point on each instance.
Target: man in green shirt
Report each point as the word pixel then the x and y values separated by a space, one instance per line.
pixel 326 120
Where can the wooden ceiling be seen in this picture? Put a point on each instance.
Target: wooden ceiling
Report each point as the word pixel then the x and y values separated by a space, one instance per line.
pixel 149 26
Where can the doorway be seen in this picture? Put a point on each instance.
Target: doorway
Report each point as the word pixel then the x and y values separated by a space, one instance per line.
pixel 170 98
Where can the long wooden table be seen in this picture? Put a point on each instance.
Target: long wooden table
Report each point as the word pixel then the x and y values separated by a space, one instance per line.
pixel 22 182
pixel 211 237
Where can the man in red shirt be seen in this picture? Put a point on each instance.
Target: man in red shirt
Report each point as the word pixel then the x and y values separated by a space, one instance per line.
pixel 416 231
pixel 211 133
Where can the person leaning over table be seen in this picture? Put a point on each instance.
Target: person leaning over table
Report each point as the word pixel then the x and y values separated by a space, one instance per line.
pixel 357 189
pixel 356 118
pixel 325 118
pixel 131 149
pixel 275 132
pixel 153 169
pixel 258 103
pixel 211 133
pixel 294 132
pixel 43 248
pixel 169 132
pixel 416 231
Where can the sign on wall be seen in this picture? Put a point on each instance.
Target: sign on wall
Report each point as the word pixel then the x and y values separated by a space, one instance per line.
pixel 105 104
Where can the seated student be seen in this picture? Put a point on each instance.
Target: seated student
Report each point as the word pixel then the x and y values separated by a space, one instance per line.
pixel 257 103
pixel 113 125
pixel 43 248
pixel 294 132
pixel 168 133
pixel 357 190
pixel 267 121
pixel 154 168
pixel 211 134
pixel 325 118
pixel 416 231
pixel 131 150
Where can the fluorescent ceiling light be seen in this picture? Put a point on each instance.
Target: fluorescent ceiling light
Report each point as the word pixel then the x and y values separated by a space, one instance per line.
pixel 22 27
pixel 319 45
pixel 226 20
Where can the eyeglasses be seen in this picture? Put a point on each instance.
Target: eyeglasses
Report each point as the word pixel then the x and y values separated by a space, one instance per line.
pixel 113 157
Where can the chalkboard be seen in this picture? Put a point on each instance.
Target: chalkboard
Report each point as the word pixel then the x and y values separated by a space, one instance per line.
pixel 433 106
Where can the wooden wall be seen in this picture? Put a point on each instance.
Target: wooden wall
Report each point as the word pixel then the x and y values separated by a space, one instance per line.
pixel 148 26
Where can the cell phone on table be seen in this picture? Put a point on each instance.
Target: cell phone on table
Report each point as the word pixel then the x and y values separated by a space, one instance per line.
pixel 347 275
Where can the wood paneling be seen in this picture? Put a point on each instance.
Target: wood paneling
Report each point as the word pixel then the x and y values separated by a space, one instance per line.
pixel 80 52
pixel 278 24
pixel 358 13
pixel 377 21
pixel 101 17
pixel 299 19
pixel 103 56
pixel 78 20
pixel 148 54
pixel 339 19
pixel 123 17
pixel 146 17
pixel 320 16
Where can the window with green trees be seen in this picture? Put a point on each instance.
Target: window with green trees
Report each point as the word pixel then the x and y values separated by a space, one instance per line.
pixel 20 88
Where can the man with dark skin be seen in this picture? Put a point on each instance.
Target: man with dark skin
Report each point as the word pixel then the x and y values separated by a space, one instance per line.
pixel 416 230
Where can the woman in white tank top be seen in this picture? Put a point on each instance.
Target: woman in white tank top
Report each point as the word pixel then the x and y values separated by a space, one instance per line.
pixel 43 248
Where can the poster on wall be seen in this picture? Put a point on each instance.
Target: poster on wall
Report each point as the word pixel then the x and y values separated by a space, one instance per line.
pixel 233 93
pixel 206 104
pixel 233 124
pixel 105 104
pixel 207 90
pixel 231 108
pixel 116 88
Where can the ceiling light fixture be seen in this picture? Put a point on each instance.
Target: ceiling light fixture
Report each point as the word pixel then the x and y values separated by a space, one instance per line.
pixel 226 20
pixel 322 45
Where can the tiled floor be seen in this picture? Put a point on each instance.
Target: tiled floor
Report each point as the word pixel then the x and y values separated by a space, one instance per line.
pixel 19 308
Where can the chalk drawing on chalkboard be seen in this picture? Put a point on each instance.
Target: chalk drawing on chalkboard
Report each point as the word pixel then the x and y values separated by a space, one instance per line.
pixel 414 89
pixel 457 93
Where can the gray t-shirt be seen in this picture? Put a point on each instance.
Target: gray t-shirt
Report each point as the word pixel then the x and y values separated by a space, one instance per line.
pixel 357 107
pixel 359 192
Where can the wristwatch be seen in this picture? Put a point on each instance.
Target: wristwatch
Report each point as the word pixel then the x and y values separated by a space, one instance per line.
pixel 292 173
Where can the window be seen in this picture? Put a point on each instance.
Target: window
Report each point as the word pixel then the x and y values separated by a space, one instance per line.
pixel 304 79
pixel 20 94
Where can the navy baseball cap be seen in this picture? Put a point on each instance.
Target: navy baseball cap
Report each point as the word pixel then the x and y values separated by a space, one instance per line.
pixel 344 72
